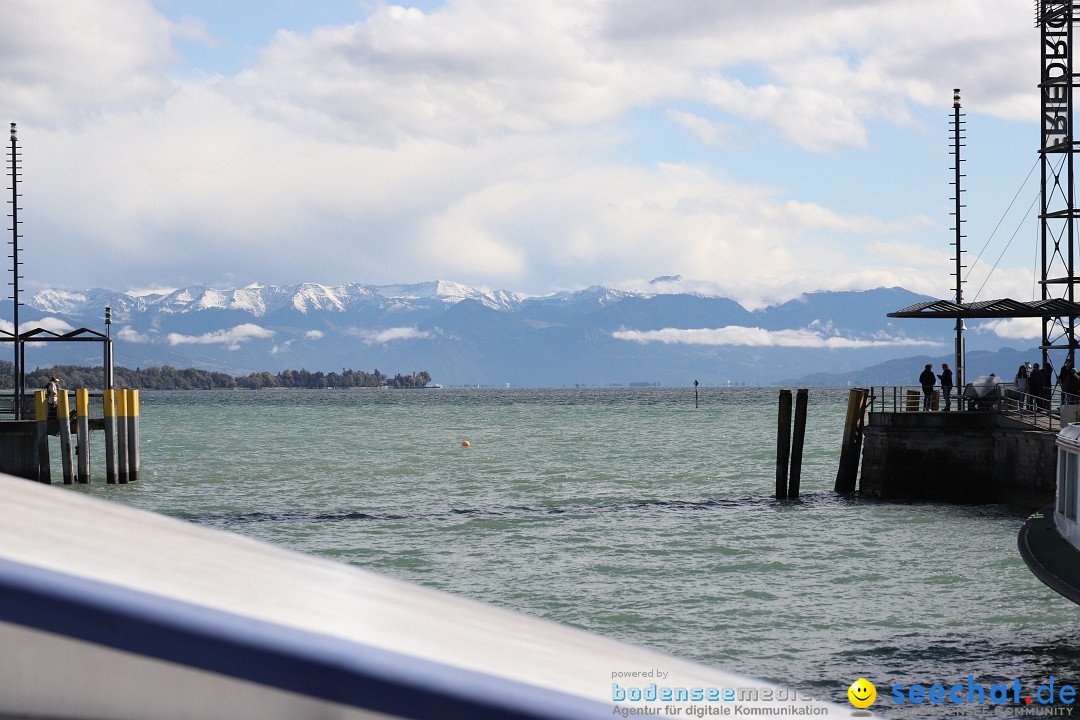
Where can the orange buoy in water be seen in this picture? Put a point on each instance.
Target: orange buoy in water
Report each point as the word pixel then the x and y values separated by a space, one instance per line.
pixel 466 443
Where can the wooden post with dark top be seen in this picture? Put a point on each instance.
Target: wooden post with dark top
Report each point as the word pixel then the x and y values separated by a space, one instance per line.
pixel 133 435
pixel 109 405
pixel 41 414
pixel 121 437
pixel 783 444
pixel 848 473
pixel 802 399
pixel 82 429
pixel 63 416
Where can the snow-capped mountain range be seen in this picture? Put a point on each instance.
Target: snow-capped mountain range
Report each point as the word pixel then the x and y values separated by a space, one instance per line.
pixel 258 300
pixel 466 336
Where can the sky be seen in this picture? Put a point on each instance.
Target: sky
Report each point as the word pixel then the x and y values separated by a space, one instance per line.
pixel 754 150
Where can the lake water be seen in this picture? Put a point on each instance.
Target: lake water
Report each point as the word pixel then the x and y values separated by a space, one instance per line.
pixel 627 512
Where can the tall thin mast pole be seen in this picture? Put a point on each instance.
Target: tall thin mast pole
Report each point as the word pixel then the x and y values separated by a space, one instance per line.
pixel 18 374
pixel 957 129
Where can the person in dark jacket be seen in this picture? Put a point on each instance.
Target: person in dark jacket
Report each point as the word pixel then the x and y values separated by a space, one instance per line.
pixel 1047 387
pixel 946 385
pixel 1069 383
pixel 1036 382
pixel 927 380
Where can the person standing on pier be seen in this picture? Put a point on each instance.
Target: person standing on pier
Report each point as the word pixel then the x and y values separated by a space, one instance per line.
pixel 1036 380
pixel 1020 385
pixel 1069 384
pixel 52 389
pixel 927 380
pixel 946 385
pixel 1047 387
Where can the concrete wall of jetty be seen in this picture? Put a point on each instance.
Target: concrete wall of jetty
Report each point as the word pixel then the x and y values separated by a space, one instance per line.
pixel 959 457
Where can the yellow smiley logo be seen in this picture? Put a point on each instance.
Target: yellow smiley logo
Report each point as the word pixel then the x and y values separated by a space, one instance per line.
pixel 862 693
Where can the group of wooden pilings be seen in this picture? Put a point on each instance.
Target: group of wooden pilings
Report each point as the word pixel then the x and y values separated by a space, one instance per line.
pixel 121 425
pixel 789 442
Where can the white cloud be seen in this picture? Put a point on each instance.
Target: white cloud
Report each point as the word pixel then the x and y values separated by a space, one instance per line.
pixel 52 324
pixel 376 337
pixel 62 59
pixel 130 334
pixel 314 335
pixel 230 338
pixel 149 292
pixel 472 69
pixel 758 337
pixel 467 71
pixel 708 132
pixel 282 347
pixel 1013 328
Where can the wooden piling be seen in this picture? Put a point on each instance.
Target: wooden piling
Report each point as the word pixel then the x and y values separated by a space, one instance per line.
pixel 783 444
pixel 133 435
pixel 63 416
pixel 851 448
pixel 110 436
pixel 802 398
pixel 41 415
pixel 82 429
pixel 121 437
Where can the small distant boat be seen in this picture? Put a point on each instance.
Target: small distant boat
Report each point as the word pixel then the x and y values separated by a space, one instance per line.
pixel 1049 541
pixel 435 386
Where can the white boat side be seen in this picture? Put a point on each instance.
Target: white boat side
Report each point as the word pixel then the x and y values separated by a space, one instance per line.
pixel 111 612
pixel 1049 540
pixel 1067 502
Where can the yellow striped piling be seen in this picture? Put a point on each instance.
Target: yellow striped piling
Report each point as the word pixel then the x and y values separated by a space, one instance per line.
pixel 82 428
pixel 121 436
pixel 41 415
pixel 63 415
pixel 110 436
pixel 133 435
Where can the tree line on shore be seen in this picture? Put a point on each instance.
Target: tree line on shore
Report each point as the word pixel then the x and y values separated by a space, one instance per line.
pixel 170 378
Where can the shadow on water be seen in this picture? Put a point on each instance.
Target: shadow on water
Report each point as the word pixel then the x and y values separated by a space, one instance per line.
pixel 807 501
pixel 513 512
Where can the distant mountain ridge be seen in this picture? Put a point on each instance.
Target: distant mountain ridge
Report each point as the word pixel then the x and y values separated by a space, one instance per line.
pixel 467 336
pixel 262 299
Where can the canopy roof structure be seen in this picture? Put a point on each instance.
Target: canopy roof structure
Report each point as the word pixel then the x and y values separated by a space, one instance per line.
pixel 43 335
pixel 40 334
pixel 999 309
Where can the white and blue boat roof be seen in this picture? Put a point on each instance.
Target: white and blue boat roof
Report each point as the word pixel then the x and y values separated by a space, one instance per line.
pixel 108 611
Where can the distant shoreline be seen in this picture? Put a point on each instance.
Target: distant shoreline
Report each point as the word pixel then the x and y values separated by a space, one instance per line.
pixel 170 378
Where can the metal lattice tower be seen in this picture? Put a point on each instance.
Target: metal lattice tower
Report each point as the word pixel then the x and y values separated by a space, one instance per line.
pixel 14 166
pixel 1058 307
pixel 1057 154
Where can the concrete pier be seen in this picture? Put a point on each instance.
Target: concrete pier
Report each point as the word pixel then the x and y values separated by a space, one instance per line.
pixel 24 444
pixel 970 457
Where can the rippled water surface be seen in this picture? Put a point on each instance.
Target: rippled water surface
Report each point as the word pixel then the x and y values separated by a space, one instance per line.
pixel 628 512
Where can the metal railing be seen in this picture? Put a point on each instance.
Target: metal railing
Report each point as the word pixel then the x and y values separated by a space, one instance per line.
pixel 1039 411
pixel 7 404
